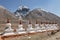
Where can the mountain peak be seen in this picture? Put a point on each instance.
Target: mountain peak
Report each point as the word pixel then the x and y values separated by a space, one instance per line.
pixel 40 9
pixel 22 10
pixel 22 7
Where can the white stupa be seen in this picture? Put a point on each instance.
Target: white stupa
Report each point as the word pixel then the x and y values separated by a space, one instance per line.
pixel 55 26
pixel 30 29
pixel 37 27
pixel 43 28
pixel 20 28
pixel 8 29
pixel 48 26
pixel 51 26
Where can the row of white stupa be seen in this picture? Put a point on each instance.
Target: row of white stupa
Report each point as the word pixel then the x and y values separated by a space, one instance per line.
pixel 30 29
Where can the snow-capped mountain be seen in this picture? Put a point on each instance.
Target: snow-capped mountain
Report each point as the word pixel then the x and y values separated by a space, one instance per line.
pixel 22 11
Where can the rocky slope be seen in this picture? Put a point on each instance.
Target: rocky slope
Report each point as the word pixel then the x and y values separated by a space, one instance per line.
pixel 4 14
pixel 42 15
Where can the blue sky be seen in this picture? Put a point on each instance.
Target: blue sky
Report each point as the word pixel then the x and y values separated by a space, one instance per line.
pixel 48 5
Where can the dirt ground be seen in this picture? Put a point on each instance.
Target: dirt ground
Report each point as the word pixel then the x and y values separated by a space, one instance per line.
pixel 38 36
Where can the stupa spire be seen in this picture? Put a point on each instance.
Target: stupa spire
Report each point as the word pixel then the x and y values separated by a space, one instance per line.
pixel 8 21
pixel 20 22
pixel 29 21
pixel 36 21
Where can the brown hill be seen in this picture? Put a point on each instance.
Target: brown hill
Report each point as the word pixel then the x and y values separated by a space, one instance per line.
pixel 4 14
pixel 42 16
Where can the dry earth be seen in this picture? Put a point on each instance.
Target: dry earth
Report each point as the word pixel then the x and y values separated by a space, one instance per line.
pixel 38 36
